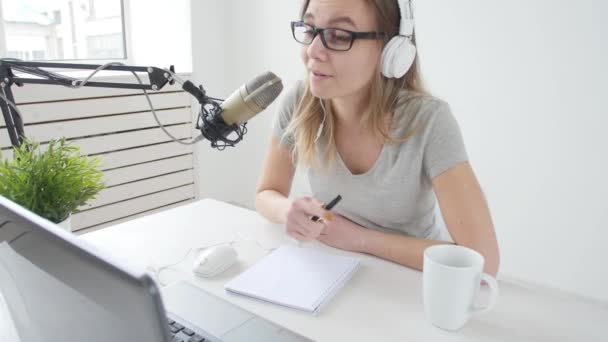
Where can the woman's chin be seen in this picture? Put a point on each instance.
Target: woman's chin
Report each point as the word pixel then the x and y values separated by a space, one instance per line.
pixel 320 92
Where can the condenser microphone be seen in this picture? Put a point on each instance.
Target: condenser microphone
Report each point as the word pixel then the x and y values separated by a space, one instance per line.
pixel 225 124
pixel 251 98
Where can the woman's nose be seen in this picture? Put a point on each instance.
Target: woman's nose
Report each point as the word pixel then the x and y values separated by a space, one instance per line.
pixel 316 49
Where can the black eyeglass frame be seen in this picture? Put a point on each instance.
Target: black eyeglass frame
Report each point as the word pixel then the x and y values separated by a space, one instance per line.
pixel 317 30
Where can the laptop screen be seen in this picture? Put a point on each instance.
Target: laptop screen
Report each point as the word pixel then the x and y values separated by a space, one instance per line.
pixel 56 287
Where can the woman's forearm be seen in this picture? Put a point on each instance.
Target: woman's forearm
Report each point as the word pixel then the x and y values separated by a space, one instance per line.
pixel 272 205
pixel 409 251
pixel 401 249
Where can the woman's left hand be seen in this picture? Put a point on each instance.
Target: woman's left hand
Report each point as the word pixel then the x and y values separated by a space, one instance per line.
pixel 339 232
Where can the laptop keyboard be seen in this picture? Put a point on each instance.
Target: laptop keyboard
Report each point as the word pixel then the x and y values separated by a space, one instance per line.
pixel 213 319
pixel 181 333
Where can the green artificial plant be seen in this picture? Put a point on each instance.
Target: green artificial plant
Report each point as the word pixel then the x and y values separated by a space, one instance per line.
pixel 53 181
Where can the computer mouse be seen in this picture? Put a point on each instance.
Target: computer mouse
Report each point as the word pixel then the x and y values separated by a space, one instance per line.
pixel 214 260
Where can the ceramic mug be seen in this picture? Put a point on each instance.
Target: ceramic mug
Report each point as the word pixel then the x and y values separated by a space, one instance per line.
pixel 452 276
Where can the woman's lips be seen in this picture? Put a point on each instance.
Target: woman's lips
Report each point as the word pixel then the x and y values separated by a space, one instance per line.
pixel 317 76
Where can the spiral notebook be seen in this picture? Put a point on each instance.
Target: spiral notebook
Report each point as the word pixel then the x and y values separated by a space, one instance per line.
pixel 296 277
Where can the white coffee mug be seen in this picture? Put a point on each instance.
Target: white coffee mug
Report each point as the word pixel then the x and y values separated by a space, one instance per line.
pixel 452 276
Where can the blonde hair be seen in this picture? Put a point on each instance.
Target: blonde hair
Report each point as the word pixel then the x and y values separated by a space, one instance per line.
pixel 310 115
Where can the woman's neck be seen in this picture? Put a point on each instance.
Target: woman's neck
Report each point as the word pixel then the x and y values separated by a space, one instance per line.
pixel 348 110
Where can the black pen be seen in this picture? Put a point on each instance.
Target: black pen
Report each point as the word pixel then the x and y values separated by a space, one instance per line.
pixel 329 206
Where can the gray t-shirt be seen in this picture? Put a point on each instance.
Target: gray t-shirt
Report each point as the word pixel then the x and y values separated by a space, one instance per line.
pixel 396 194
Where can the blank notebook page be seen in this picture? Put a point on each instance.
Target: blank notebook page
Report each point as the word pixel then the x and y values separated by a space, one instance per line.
pixel 300 278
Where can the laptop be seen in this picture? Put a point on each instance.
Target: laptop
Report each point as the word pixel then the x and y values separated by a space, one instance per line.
pixel 56 287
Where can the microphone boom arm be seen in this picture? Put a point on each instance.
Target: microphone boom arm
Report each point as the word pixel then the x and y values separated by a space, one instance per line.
pixel 158 78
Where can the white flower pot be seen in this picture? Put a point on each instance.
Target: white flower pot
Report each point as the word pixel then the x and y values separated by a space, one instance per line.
pixel 66 224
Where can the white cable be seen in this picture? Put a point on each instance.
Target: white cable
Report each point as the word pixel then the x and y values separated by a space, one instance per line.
pixel 321 126
pixel 268 250
pixel 81 83
pixel 194 141
pixel 157 271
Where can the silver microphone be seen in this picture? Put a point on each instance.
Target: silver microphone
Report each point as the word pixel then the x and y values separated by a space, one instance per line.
pixel 251 98
pixel 234 112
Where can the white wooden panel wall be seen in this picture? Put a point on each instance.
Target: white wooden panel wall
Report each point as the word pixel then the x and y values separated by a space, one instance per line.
pixel 144 171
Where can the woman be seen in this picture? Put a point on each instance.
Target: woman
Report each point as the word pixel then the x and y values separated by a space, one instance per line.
pixel 391 150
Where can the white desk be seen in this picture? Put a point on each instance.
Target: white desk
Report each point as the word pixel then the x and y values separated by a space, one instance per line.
pixel 383 301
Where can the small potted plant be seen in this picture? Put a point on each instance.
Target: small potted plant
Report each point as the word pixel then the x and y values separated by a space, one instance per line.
pixel 52 182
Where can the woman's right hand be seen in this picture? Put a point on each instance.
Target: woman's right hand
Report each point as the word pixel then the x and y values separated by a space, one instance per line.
pixel 299 224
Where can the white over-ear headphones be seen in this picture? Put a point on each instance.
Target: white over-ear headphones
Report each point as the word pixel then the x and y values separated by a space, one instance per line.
pixel 398 55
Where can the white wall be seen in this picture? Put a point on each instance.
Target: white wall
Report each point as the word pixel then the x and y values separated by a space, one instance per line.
pixel 234 41
pixel 525 80
pixel 160 33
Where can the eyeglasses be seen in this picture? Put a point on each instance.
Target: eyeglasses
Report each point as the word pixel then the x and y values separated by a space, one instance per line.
pixel 332 38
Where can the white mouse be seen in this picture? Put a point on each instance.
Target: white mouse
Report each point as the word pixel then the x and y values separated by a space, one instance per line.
pixel 214 260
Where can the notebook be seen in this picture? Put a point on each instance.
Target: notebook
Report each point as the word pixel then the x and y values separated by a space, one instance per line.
pixel 296 277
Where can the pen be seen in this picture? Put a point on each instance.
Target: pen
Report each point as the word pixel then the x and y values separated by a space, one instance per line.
pixel 315 218
pixel 329 206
